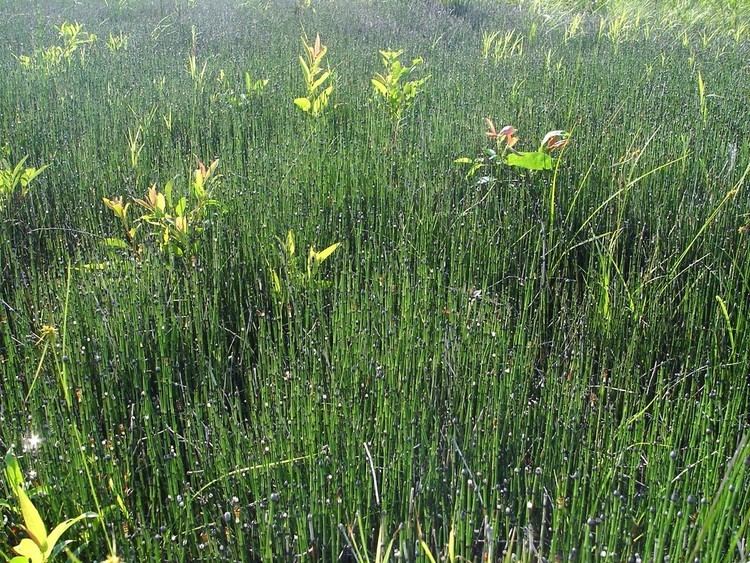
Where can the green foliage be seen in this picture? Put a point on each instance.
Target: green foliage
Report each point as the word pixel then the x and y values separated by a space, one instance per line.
pixel 170 222
pixel 501 46
pixel 393 88
pixel 15 178
pixel 318 81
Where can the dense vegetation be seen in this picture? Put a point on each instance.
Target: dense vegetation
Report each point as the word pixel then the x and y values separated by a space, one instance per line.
pixel 542 364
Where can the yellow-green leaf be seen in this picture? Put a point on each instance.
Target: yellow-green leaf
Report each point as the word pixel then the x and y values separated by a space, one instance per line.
pixel 28 549
pixel 275 281
pixel 116 243
pixel 319 81
pixel 33 521
pixel 320 103
pixel 536 160
pixel 303 104
pixel 61 528
pixel 380 87
pixel 13 472
pixel 305 71
pixel 161 202
pixel 290 243
pixel 325 253
pixel 427 551
pixel 168 188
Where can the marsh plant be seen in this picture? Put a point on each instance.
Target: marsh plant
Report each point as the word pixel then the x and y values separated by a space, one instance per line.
pixel 169 221
pixel 74 42
pixel 548 364
pixel 298 272
pixel 15 179
pixel 251 90
pixel 393 87
pixel 503 152
pixel 318 80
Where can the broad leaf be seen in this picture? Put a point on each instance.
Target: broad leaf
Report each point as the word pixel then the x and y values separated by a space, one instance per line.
pixel 536 160
pixel 179 209
pixel 303 103
pixel 168 188
pixel 474 169
pixel 13 473
pixel 116 243
pixel 31 173
pixel 30 551
pixel 319 81
pixel 305 71
pixel 320 103
pixel 61 528
pixel 380 87
pixel 323 254
pixel 289 247
pixel 32 520
pixel 276 281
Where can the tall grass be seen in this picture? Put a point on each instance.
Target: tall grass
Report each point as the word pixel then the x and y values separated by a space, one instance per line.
pixel 553 367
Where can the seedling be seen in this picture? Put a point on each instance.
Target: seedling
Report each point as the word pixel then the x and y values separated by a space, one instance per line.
pixel 39 546
pixel 116 43
pixel 173 224
pixel 254 87
pixel 197 73
pixel 15 178
pixel 504 152
pixel 251 89
pixel 397 93
pixel 135 146
pixel 317 81
pixel 73 40
pixel 292 273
